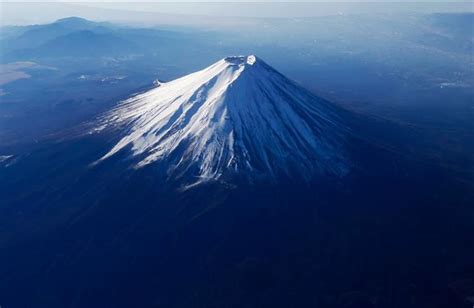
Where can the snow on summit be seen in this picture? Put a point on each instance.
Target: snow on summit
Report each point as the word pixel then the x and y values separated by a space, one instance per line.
pixel 238 116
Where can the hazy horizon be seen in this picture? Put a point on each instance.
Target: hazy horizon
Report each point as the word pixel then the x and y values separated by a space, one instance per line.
pixel 223 13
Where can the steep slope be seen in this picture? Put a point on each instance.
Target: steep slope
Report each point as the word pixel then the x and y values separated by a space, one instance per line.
pixel 237 117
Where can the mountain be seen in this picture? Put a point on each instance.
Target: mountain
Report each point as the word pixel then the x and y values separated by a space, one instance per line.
pixel 237 117
pixel 78 23
pixel 30 37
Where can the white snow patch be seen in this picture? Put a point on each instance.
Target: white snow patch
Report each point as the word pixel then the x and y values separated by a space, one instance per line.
pixel 251 60
pixel 5 157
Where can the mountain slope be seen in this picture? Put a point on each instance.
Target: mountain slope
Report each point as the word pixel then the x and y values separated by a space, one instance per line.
pixel 237 117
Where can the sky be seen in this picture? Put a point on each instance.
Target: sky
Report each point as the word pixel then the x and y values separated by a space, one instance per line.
pixel 149 12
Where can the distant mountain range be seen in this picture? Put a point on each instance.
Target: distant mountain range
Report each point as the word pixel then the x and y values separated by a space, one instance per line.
pixel 78 37
pixel 33 36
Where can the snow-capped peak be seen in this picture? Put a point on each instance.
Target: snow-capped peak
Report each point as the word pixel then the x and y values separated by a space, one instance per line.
pixel 236 117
